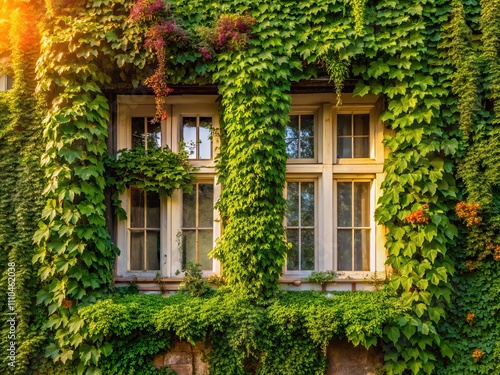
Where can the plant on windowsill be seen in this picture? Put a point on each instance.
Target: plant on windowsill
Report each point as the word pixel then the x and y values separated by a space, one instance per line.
pixel 322 278
pixel 158 170
pixel 193 282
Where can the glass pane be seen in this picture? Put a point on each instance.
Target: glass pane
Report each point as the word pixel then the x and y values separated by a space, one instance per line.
pixel 362 124
pixel 205 144
pixel 362 250
pixel 361 147
pixel 205 205
pixel 307 136
pixel 153 211
pixel 307 249
pixel 154 134
pixel 344 147
pixel 188 247
pixel 136 208
pixel 344 247
pixel 307 209
pixel 137 251
pixel 343 125
pixel 205 245
pixel 292 137
pixel 292 236
pixel 189 209
pixel 361 204
pixel 306 126
pixel 138 131
pixel 189 135
pixel 292 199
pixel 153 250
pixel 344 204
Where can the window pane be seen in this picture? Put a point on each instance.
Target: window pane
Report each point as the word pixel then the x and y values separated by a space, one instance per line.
pixel 344 147
pixel 307 136
pixel 188 247
pixel 362 250
pixel 189 209
pixel 205 205
pixel 362 124
pixel 154 134
pixel 138 132
pixel 189 135
pixel 292 137
pixel 307 204
pixel 153 210
pixel 292 236
pixel 361 147
pixel 153 250
pixel 136 208
pixel 361 204
pixel 205 245
pixel 307 249
pixel 344 247
pixel 136 251
pixel 344 204
pixel 292 214
pixel 343 125
pixel 205 144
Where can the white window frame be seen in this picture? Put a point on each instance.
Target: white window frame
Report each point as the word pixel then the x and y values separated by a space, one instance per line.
pixel 328 168
pixel 310 110
pixel 171 207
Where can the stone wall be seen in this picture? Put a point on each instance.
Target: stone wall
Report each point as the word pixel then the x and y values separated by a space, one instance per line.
pixel 343 359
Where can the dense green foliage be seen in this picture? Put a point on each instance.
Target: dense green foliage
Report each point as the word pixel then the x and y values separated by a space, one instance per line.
pixel 436 63
pixel 244 334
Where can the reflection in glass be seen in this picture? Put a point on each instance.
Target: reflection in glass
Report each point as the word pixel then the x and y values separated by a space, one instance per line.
pixel 353 238
pixel 153 250
pixel 138 132
pixel 361 256
pixel 136 251
pixel 344 204
pixel 300 225
pixel 189 136
pixel 292 198
pixel 292 137
pixel 206 203
pixel 307 249
pixel 154 134
pixel 292 236
pixel 189 209
pixel 299 137
pixel 205 245
pixel 353 136
pixel 197 225
pixel 307 204
pixel 344 250
pixel 136 208
pixel 361 204
pixel 153 210
pixel 196 137
pixel 204 142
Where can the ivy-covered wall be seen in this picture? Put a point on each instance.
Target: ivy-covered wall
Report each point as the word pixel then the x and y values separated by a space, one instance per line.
pixel 436 63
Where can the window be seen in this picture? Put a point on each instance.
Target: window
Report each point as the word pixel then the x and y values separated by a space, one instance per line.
pixel 6 82
pixel 300 225
pixel 197 225
pixel 162 234
pixel 334 171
